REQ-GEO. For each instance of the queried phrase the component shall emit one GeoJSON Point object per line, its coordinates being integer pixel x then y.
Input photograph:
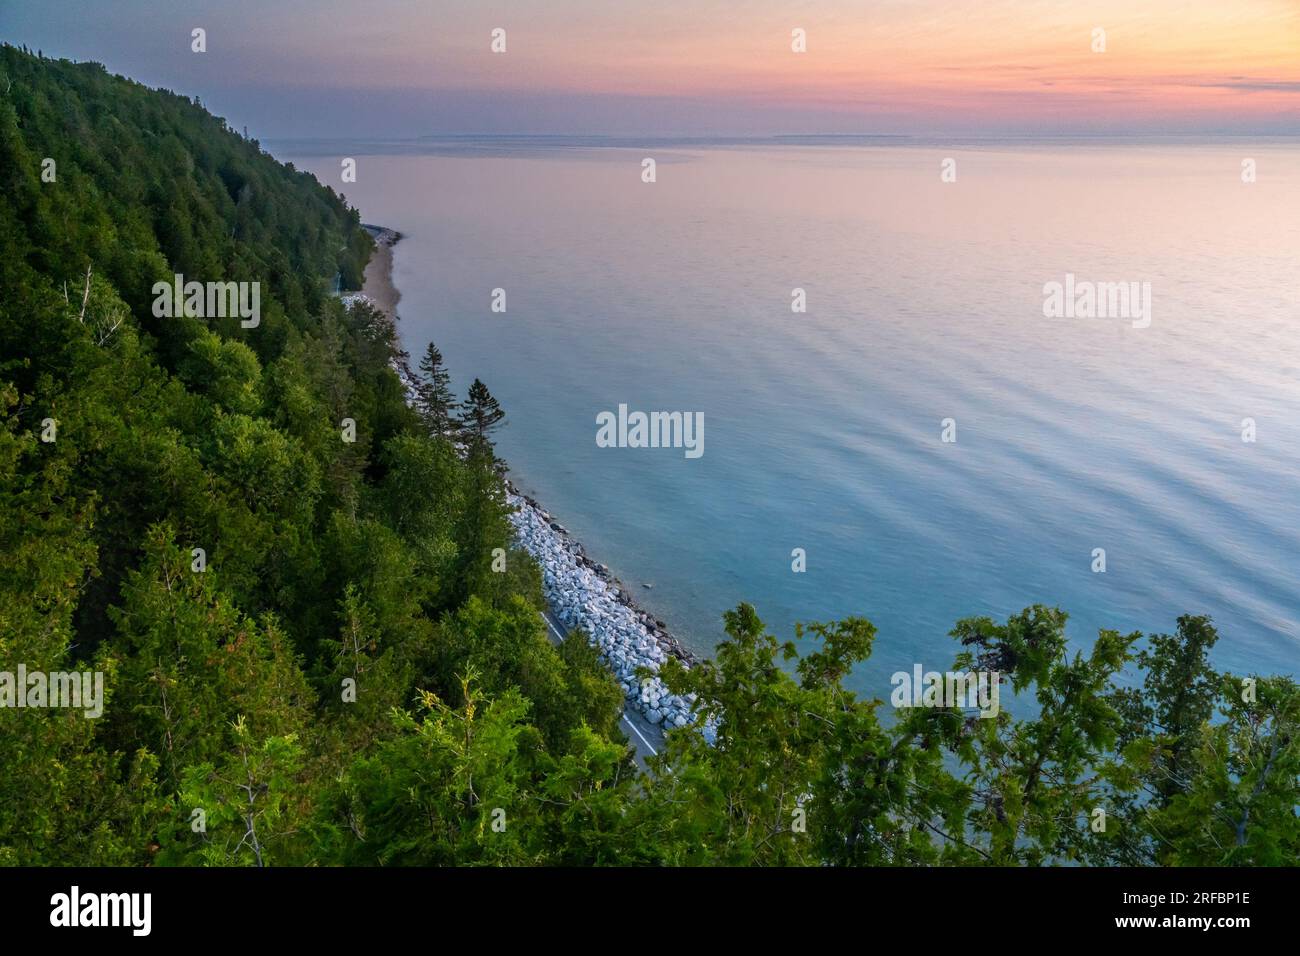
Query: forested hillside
{"type": "Point", "coordinates": [310, 656]}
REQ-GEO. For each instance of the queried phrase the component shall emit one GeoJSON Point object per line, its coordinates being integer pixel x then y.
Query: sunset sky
{"type": "Point", "coordinates": [404, 68]}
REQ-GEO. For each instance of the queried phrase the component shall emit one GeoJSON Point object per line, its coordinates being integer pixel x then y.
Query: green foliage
{"type": "Point", "coordinates": [431, 795]}
{"type": "Point", "coordinates": [1209, 763]}
{"type": "Point", "coordinates": [178, 433]}
{"type": "Point", "coordinates": [194, 663]}
{"type": "Point", "coordinates": [226, 371]}
{"type": "Point", "coordinates": [1030, 781]}
{"type": "Point", "coordinates": [508, 647]}
{"type": "Point", "coordinates": [243, 810]}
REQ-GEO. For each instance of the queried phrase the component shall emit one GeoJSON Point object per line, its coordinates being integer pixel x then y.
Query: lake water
{"type": "Point", "coordinates": [823, 429]}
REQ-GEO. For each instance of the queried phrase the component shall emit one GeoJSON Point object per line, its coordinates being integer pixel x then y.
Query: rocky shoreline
{"type": "Point", "coordinates": [581, 592]}
{"type": "Point", "coordinates": [585, 594]}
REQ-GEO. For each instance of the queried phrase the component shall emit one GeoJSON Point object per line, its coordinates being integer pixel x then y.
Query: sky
{"type": "Point", "coordinates": [395, 69]}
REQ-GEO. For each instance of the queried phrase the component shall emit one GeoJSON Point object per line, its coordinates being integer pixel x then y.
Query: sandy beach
{"type": "Point", "coordinates": [378, 281]}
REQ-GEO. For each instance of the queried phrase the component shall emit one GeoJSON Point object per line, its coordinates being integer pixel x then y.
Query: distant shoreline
{"type": "Point", "coordinates": [508, 144]}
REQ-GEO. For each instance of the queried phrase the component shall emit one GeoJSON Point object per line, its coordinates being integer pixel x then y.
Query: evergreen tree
{"type": "Point", "coordinates": [433, 395]}
{"type": "Point", "coordinates": [482, 414]}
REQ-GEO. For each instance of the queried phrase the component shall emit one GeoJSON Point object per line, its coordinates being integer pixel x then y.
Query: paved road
{"type": "Point", "coordinates": [645, 736]}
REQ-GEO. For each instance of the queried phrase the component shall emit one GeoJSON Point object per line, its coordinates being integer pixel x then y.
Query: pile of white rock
{"type": "Point", "coordinates": [584, 594]}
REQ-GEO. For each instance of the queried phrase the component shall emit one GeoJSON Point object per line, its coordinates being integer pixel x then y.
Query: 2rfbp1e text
{"type": "Point", "coordinates": [1196, 897]}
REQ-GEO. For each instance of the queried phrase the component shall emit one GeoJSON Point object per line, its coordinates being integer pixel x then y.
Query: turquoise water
{"type": "Point", "coordinates": [823, 429]}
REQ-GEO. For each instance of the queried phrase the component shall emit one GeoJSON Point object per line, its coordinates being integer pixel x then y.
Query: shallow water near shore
{"type": "Point", "coordinates": [823, 429]}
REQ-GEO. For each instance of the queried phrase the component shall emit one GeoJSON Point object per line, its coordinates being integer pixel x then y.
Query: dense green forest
{"type": "Point", "coordinates": [340, 677]}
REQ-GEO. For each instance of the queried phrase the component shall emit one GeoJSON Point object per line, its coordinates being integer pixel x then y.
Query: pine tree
{"type": "Point", "coordinates": [482, 414]}
{"type": "Point", "coordinates": [434, 398]}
